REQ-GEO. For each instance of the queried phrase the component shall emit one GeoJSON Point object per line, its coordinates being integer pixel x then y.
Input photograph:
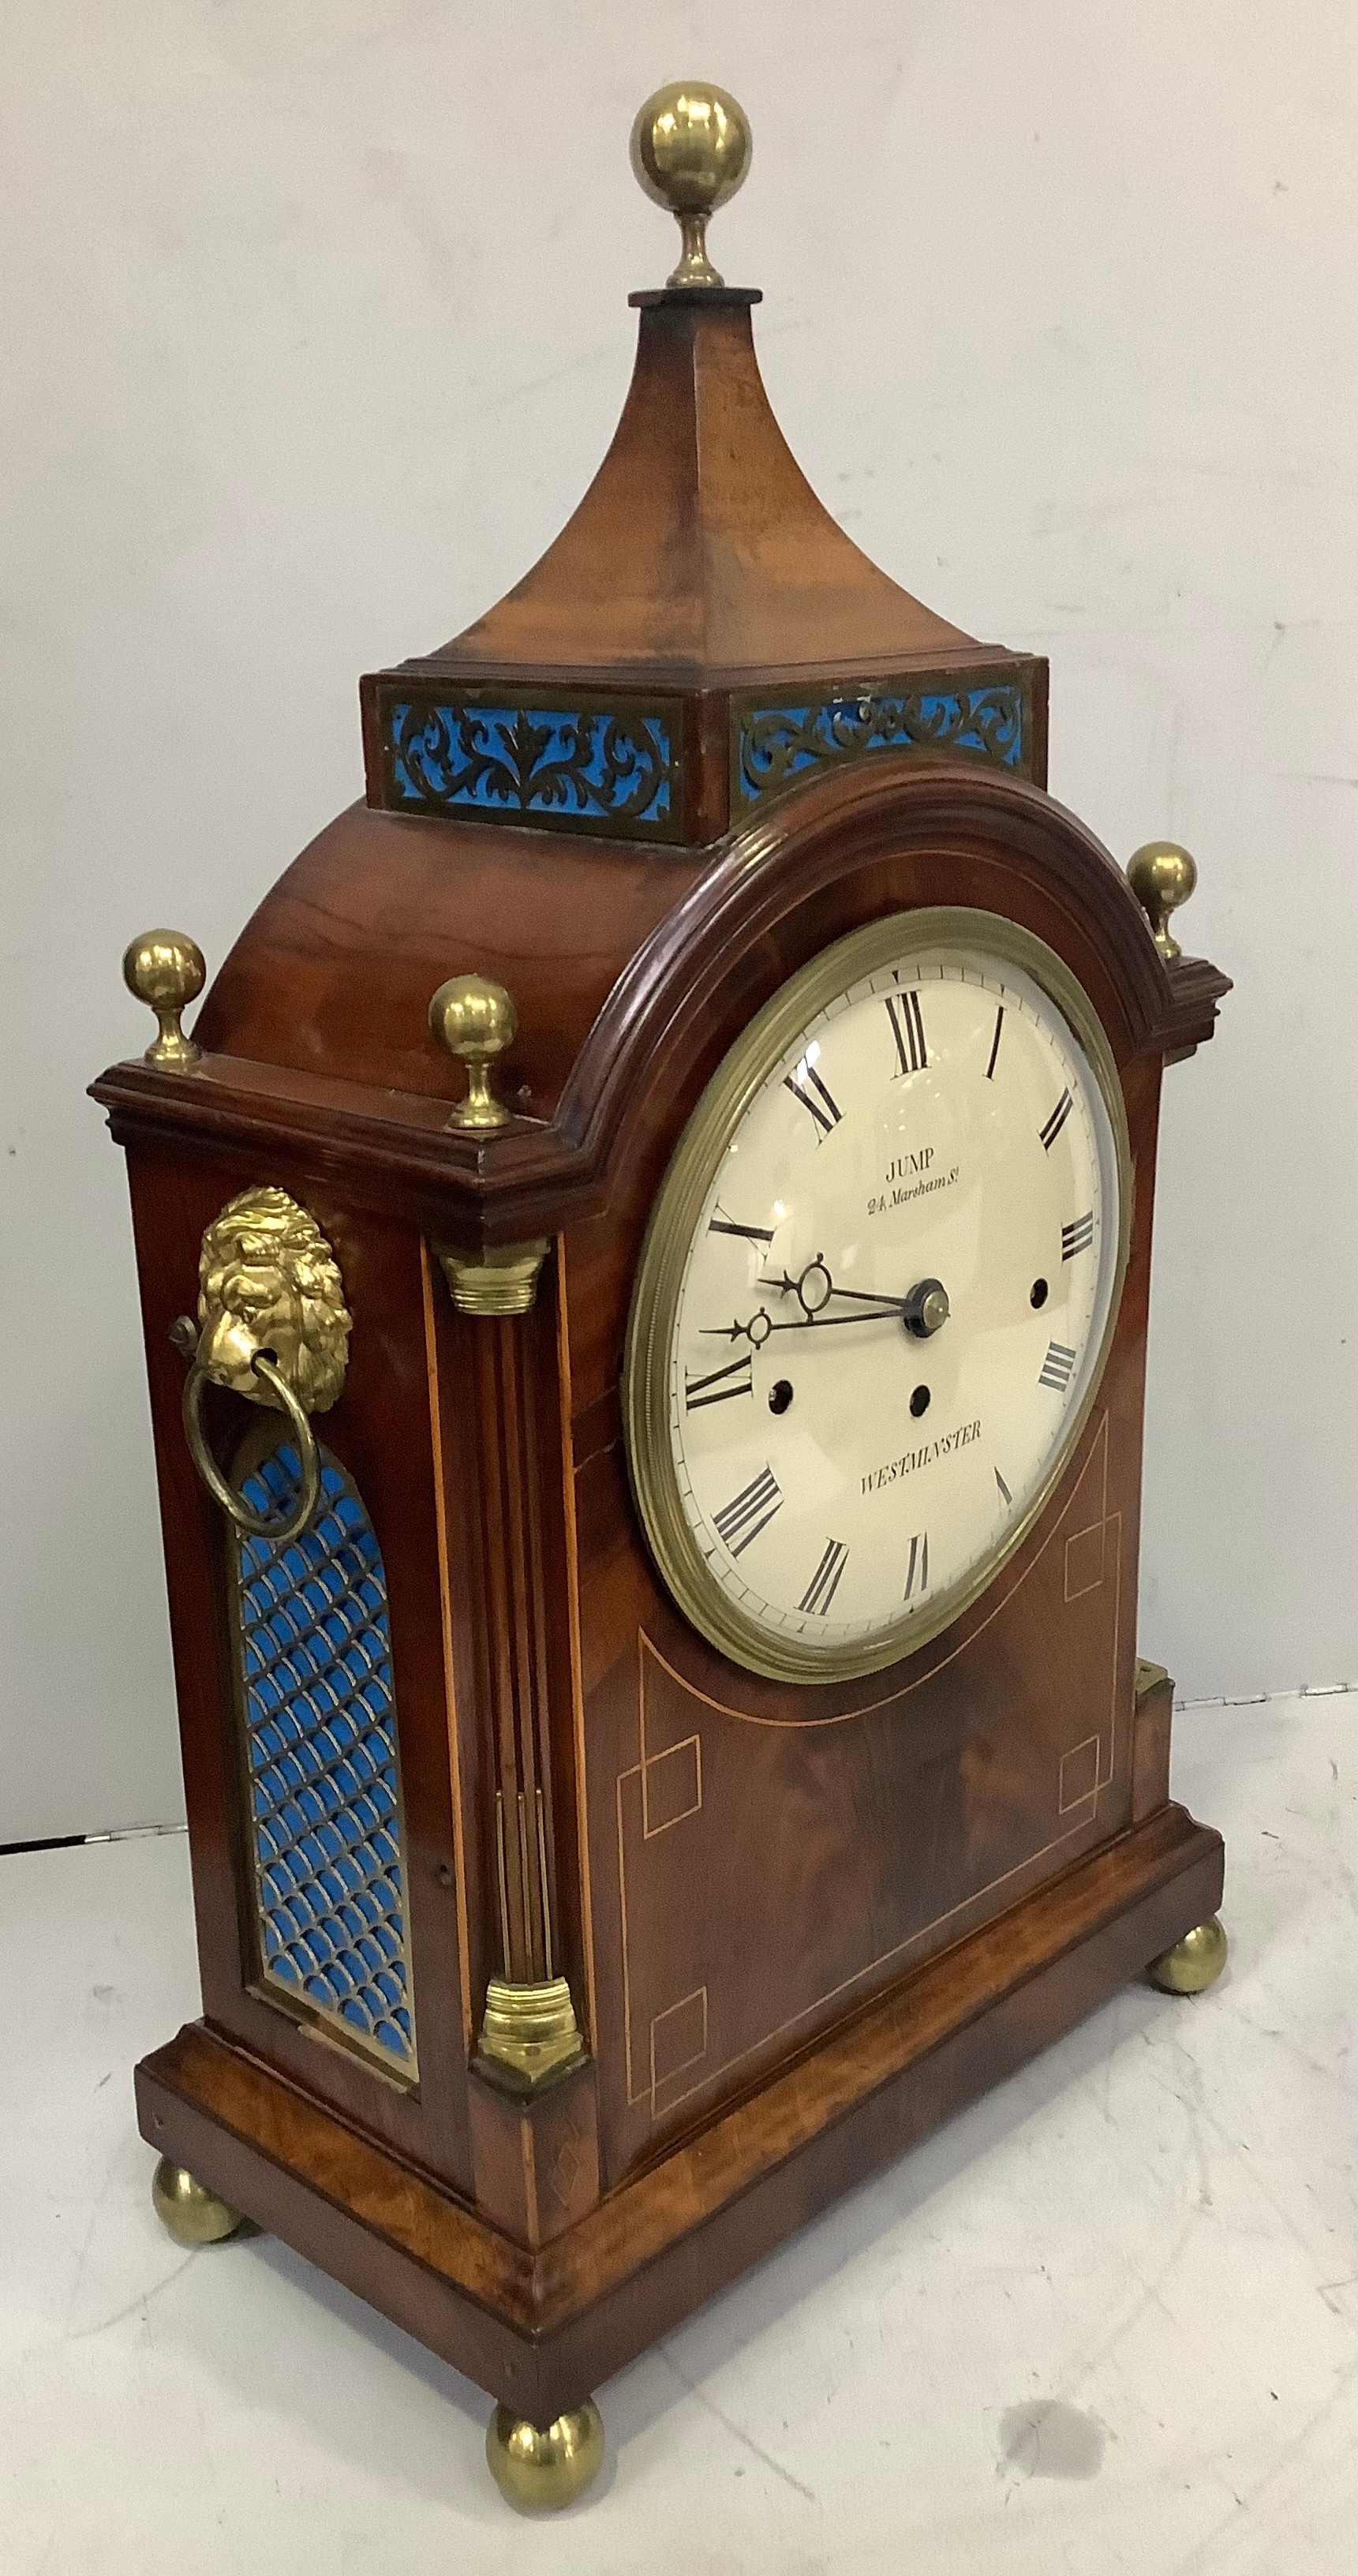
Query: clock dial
{"type": "Point", "coordinates": [877, 1293]}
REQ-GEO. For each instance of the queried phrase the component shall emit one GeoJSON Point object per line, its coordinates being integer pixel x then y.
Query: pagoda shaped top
{"type": "Point", "coordinates": [702, 634]}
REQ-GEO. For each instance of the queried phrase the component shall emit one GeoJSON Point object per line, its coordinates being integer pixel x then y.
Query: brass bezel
{"type": "Point", "coordinates": [678, 1206]}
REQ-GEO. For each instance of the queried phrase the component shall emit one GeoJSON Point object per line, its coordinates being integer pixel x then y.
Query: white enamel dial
{"type": "Point", "coordinates": [883, 1321]}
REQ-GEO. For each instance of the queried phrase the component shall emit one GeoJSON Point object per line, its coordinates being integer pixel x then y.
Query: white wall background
{"type": "Point", "coordinates": [315, 329]}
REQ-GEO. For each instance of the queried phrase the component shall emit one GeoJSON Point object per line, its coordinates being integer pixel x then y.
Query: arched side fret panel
{"type": "Point", "coordinates": [318, 1715]}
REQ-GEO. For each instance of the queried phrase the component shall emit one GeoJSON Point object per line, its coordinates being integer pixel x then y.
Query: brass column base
{"type": "Point", "coordinates": [1194, 1964]}
{"type": "Point", "coordinates": [541, 2470]}
{"type": "Point", "coordinates": [188, 2211]}
{"type": "Point", "coordinates": [528, 2033]}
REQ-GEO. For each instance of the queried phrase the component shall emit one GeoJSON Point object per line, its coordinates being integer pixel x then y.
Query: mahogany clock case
{"type": "Point", "coordinates": [798, 1924]}
{"type": "Point", "coordinates": [773, 1931]}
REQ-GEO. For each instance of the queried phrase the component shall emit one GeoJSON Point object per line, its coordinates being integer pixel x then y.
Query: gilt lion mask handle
{"type": "Point", "coordinates": [272, 1326]}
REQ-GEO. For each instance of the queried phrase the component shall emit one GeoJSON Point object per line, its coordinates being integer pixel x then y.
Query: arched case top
{"type": "Point", "coordinates": [620, 963]}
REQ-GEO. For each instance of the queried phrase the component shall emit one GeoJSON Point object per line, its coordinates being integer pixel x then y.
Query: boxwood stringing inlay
{"type": "Point", "coordinates": [320, 1730]}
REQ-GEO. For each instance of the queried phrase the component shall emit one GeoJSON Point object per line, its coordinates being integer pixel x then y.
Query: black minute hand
{"type": "Point", "coordinates": [861, 1297]}
{"type": "Point", "coordinates": [876, 1314]}
{"type": "Point", "coordinates": [923, 1312]}
{"type": "Point", "coordinates": [761, 1324]}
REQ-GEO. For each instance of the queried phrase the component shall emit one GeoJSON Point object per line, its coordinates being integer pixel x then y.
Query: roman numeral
{"type": "Point", "coordinates": [1056, 1122]}
{"type": "Point", "coordinates": [717, 1384]}
{"type": "Point", "coordinates": [721, 1223]}
{"type": "Point", "coordinates": [805, 1085]}
{"type": "Point", "coordinates": [1005, 1496]}
{"type": "Point", "coordinates": [1058, 1367]}
{"type": "Point", "coordinates": [740, 1521]}
{"type": "Point", "coordinates": [917, 1568]}
{"type": "Point", "coordinates": [1077, 1237]}
{"type": "Point", "coordinates": [907, 1028]}
{"type": "Point", "coordinates": [824, 1583]}
{"type": "Point", "coordinates": [995, 1044]}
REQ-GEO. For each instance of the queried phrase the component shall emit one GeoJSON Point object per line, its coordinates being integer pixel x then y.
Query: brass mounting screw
{"type": "Point", "coordinates": [1162, 876]}
{"type": "Point", "coordinates": [476, 1021]}
{"type": "Point", "coordinates": [691, 150]}
{"type": "Point", "coordinates": [165, 969]}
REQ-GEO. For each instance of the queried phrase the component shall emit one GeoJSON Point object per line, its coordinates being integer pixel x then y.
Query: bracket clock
{"type": "Point", "coordinates": [645, 1260]}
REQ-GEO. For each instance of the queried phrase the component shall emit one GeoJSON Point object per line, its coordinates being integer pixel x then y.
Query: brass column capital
{"type": "Point", "coordinates": [499, 1281]}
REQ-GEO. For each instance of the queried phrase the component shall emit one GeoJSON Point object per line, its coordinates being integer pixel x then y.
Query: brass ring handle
{"type": "Point", "coordinates": [255, 1524]}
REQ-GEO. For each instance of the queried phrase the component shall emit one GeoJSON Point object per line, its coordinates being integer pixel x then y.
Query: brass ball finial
{"type": "Point", "coordinates": [476, 1021]}
{"type": "Point", "coordinates": [1162, 876]}
{"type": "Point", "coordinates": [691, 150]}
{"type": "Point", "coordinates": [165, 969]}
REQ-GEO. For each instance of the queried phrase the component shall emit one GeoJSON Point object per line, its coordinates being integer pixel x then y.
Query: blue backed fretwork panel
{"type": "Point", "coordinates": [608, 766]}
{"type": "Point", "coordinates": [775, 747]}
{"type": "Point", "coordinates": [320, 1735]}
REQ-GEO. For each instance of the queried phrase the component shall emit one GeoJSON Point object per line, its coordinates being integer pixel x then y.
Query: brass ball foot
{"type": "Point", "coordinates": [1194, 1963]}
{"type": "Point", "coordinates": [190, 2213]}
{"type": "Point", "coordinates": [541, 2470]}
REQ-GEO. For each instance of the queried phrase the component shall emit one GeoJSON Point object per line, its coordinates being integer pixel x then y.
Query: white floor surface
{"type": "Point", "coordinates": [1103, 2321]}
